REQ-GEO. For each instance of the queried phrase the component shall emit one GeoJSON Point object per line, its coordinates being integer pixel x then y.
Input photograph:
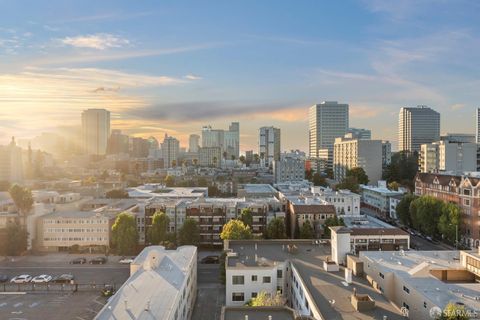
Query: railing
{"type": "Point", "coordinates": [53, 287]}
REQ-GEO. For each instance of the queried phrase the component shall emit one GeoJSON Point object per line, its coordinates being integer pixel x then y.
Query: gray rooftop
{"type": "Point", "coordinates": [258, 313]}
{"type": "Point", "coordinates": [365, 221]}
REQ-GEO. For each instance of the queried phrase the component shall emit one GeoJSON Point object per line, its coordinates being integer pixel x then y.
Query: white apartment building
{"type": "Point", "coordinates": [352, 153]}
{"type": "Point", "coordinates": [95, 131]}
{"type": "Point", "coordinates": [344, 201]}
{"type": "Point", "coordinates": [288, 168]}
{"type": "Point", "coordinates": [416, 126]}
{"type": "Point", "coordinates": [269, 145]}
{"type": "Point", "coordinates": [378, 197]}
{"type": "Point", "coordinates": [170, 151]}
{"type": "Point", "coordinates": [162, 286]}
{"type": "Point", "coordinates": [59, 231]}
{"type": "Point", "coordinates": [227, 141]}
{"type": "Point", "coordinates": [193, 143]}
{"type": "Point", "coordinates": [327, 121]}
{"type": "Point", "coordinates": [423, 283]}
{"type": "Point", "coordinates": [448, 156]}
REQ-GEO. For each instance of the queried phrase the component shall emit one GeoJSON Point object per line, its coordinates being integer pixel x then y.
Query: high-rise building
{"type": "Point", "coordinates": [327, 121]}
{"type": "Point", "coordinates": [209, 156]}
{"type": "Point", "coordinates": [212, 137]}
{"type": "Point", "coordinates": [11, 165]}
{"type": "Point", "coordinates": [358, 133]}
{"type": "Point", "coordinates": [95, 131]}
{"type": "Point", "coordinates": [478, 125]}
{"type": "Point", "coordinates": [139, 147]}
{"type": "Point", "coordinates": [232, 140]}
{"type": "Point", "coordinates": [193, 143]}
{"type": "Point", "coordinates": [416, 126]}
{"type": "Point", "coordinates": [170, 151]}
{"type": "Point", "coordinates": [118, 142]}
{"type": "Point", "coordinates": [269, 145]}
{"type": "Point", "coordinates": [353, 153]}
{"type": "Point", "coordinates": [451, 156]}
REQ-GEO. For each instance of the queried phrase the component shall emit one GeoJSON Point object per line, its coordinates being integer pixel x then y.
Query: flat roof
{"type": "Point", "coordinates": [413, 268]}
{"type": "Point", "coordinates": [382, 190]}
{"type": "Point", "coordinates": [365, 222]}
{"type": "Point", "coordinates": [258, 313]}
{"type": "Point", "coordinates": [258, 188]}
{"type": "Point", "coordinates": [328, 290]}
{"type": "Point", "coordinates": [160, 191]}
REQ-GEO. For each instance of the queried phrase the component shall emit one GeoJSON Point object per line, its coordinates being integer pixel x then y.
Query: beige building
{"type": "Point", "coordinates": [351, 153]}
{"type": "Point", "coordinates": [448, 156]}
{"type": "Point", "coordinates": [209, 156]}
{"type": "Point", "coordinates": [60, 230]}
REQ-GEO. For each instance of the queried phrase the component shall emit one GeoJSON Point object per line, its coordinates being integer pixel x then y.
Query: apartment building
{"type": "Point", "coordinates": [356, 153]}
{"type": "Point", "coordinates": [209, 156]}
{"type": "Point", "coordinates": [462, 190]}
{"type": "Point", "coordinates": [416, 126]}
{"type": "Point", "coordinates": [423, 283]}
{"type": "Point", "coordinates": [162, 285]}
{"type": "Point", "coordinates": [288, 168]}
{"type": "Point", "coordinates": [377, 198]}
{"type": "Point", "coordinates": [95, 131]}
{"type": "Point", "coordinates": [344, 201]}
{"type": "Point", "coordinates": [448, 156]}
{"type": "Point", "coordinates": [269, 145]}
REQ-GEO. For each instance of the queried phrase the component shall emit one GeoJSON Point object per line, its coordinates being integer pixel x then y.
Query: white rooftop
{"type": "Point", "coordinates": [160, 191]}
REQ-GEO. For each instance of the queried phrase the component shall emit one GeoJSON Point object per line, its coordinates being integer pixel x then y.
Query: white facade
{"type": "Point", "coordinates": [95, 131]}
{"type": "Point", "coordinates": [288, 169]}
{"type": "Point", "coordinates": [478, 126]}
{"type": "Point", "coordinates": [340, 244]}
{"type": "Point", "coordinates": [417, 126]}
{"type": "Point", "coordinates": [170, 151]}
{"type": "Point", "coordinates": [448, 156]}
{"type": "Point", "coordinates": [269, 144]}
{"type": "Point", "coordinates": [344, 201]}
{"type": "Point", "coordinates": [352, 153]}
{"type": "Point", "coordinates": [227, 141]}
{"type": "Point", "coordinates": [378, 197]}
{"type": "Point", "coordinates": [193, 143]}
{"type": "Point", "coordinates": [327, 121]}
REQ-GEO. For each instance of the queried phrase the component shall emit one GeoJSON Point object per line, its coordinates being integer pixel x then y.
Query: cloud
{"type": "Point", "coordinates": [99, 41]}
{"type": "Point", "coordinates": [192, 77]}
{"type": "Point", "coordinates": [457, 106]}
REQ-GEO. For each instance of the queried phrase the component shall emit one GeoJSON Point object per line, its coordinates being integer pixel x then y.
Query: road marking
{"type": "Point", "coordinates": [18, 304]}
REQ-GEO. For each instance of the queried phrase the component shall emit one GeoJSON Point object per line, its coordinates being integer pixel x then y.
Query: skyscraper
{"type": "Point", "coordinates": [11, 164]}
{"type": "Point", "coordinates": [193, 143]}
{"type": "Point", "coordinates": [478, 125]}
{"type": "Point", "coordinates": [269, 144]}
{"type": "Point", "coordinates": [416, 126]}
{"type": "Point", "coordinates": [95, 131]}
{"type": "Point", "coordinates": [327, 121]}
{"type": "Point", "coordinates": [232, 140]}
{"type": "Point", "coordinates": [170, 150]}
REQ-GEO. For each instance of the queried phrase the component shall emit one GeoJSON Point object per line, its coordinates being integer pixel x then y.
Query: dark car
{"type": "Point", "coordinates": [78, 261]}
{"type": "Point", "coordinates": [108, 290]}
{"type": "Point", "coordinates": [98, 260]}
{"type": "Point", "coordinates": [210, 260]}
{"type": "Point", "coordinates": [64, 278]}
{"type": "Point", "coordinates": [3, 278]}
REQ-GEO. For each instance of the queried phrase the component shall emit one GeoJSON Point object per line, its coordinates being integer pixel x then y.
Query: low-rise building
{"type": "Point", "coordinates": [289, 168]}
{"type": "Point", "coordinates": [377, 198]}
{"type": "Point", "coordinates": [314, 210]}
{"type": "Point", "coordinates": [256, 191]}
{"type": "Point", "coordinates": [162, 286]}
{"type": "Point", "coordinates": [344, 201]}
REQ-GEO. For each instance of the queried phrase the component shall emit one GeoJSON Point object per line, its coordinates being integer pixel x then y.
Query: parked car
{"type": "Point", "coordinates": [3, 278]}
{"type": "Point", "coordinates": [78, 261]}
{"type": "Point", "coordinates": [210, 260]}
{"type": "Point", "coordinates": [64, 278]}
{"type": "Point", "coordinates": [108, 290]}
{"type": "Point", "coordinates": [125, 260]}
{"type": "Point", "coordinates": [429, 238]}
{"type": "Point", "coordinates": [43, 278]}
{"type": "Point", "coordinates": [24, 278]}
{"type": "Point", "coordinates": [98, 260]}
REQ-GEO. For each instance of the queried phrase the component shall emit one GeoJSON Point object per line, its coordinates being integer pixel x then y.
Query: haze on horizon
{"type": "Point", "coordinates": [174, 67]}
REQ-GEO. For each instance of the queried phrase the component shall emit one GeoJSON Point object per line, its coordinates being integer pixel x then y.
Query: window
{"type": "Point", "coordinates": [254, 278]}
{"type": "Point", "coordinates": [238, 296]}
{"type": "Point", "coordinates": [381, 275]}
{"type": "Point", "coordinates": [406, 289]}
{"type": "Point", "coordinates": [279, 274]}
{"type": "Point", "coordinates": [425, 305]}
{"type": "Point", "coordinates": [238, 280]}
{"type": "Point", "coordinates": [267, 279]}
{"type": "Point", "coordinates": [254, 294]}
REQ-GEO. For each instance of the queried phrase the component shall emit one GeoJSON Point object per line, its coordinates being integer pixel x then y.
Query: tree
{"type": "Point", "coordinates": [276, 229]}
{"type": "Point", "coordinates": [116, 194]}
{"type": "Point", "coordinates": [174, 163]}
{"type": "Point", "coordinates": [4, 185]}
{"type": "Point", "coordinates": [306, 231]}
{"type": "Point", "coordinates": [242, 159]}
{"type": "Point", "coordinates": [393, 185]}
{"type": "Point", "coordinates": [358, 174]}
{"type": "Point", "coordinates": [246, 217]}
{"type": "Point", "coordinates": [349, 183]}
{"type": "Point", "coordinates": [402, 168]}
{"type": "Point", "coordinates": [403, 209]}
{"type": "Point", "coordinates": [214, 161]}
{"type": "Point", "coordinates": [17, 237]}
{"type": "Point", "coordinates": [189, 233]}
{"type": "Point", "coordinates": [169, 181]}
{"type": "Point", "coordinates": [23, 199]}
{"type": "Point", "coordinates": [232, 157]}
{"type": "Point", "coordinates": [125, 234]}
{"type": "Point", "coordinates": [159, 229]}
{"type": "Point", "coordinates": [264, 299]}
{"type": "Point", "coordinates": [235, 230]}
{"type": "Point", "coordinates": [319, 180]}
{"type": "Point", "coordinates": [424, 214]}
{"type": "Point", "coordinates": [331, 222]}
{"type": "Point", "coordinates": [449, 221]}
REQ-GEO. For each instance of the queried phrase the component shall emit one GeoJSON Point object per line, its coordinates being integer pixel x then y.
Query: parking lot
{"type": "Point", "coordinates": [81, 305]}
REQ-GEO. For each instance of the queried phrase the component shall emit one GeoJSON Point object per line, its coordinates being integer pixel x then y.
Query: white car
{"type": "Point", "coordinates": [125, 260]}
{"type": "Point", "coordinates": [43, 278]}
{"type": "Point", "coordinates": [24, 278]}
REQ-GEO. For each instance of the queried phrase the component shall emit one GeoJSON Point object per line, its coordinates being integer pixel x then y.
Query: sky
{"type": "Point", "coordinates": [174, 66]}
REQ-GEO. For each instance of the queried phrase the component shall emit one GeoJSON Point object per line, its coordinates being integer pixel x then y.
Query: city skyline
{"type": "Point", "coordinates": [266, 72]}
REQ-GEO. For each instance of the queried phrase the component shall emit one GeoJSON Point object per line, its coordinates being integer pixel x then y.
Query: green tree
{"type": "Point", "coordinates": [264, 299]}
{"type": "Point", "coordinates": [349, 183]}
{"type": "Point", "coordinates": [403, 209]}
{"type": "Point", "coordinates": [394, 185]}
{"type": "Point", "coordinates": [169, 181]}
{"type": "Point", "coordinates": [306, 231]}
{"type": "Point", "coordinates": [235, 230]}
{"type": "Point", "coordinates": [402, 168]}
{"type": "Point", "coordinates": [17, 237]}
{"type": "Point", "coordinates": [125, 234]}
{"type": "Point", "coordinates": [358, 174]}
{"type": "Point", "coordinates": [189, 233]}
{"type": "Point", "coordinates": [242, 159]}
{"type": "Point", "coordinates": [116, 194]}
{"type": "Point", "coordinates": [332, 222]}
{"type": "Point", "coordinates": [158, 232]}
{"type": "Point", "coordinates": [449, 221]}
{"type": "Point", "coordinates": [23, 199]}
{"type": "Point", "coordinates": [319, 180]}
{"type": "Point", "coordinates": [425, 213]}
{"type": "Point", "coordinates": [246, 217]}
{"type": "Point", "coordinates": [276, 229]}
{"type": "Point", "coordinates": [202, 182]}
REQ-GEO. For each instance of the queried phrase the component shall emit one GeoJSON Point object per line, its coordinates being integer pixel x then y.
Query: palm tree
{"type": "Point", "coordinates": [215, 161]}
{"type": "Point", "coordinates": [174, 163]}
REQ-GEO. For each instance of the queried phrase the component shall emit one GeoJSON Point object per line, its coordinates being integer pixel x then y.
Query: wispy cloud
{"type": "Point", "coordinates": [104, 16]}
{"type": "Point", "coordinates": [100, 41]}
{"type": "Point", "coordinates": [192, 77]}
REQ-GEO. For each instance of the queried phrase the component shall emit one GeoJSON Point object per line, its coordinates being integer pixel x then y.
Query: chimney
{"type": "Point", "coordinates": [246, 317]}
